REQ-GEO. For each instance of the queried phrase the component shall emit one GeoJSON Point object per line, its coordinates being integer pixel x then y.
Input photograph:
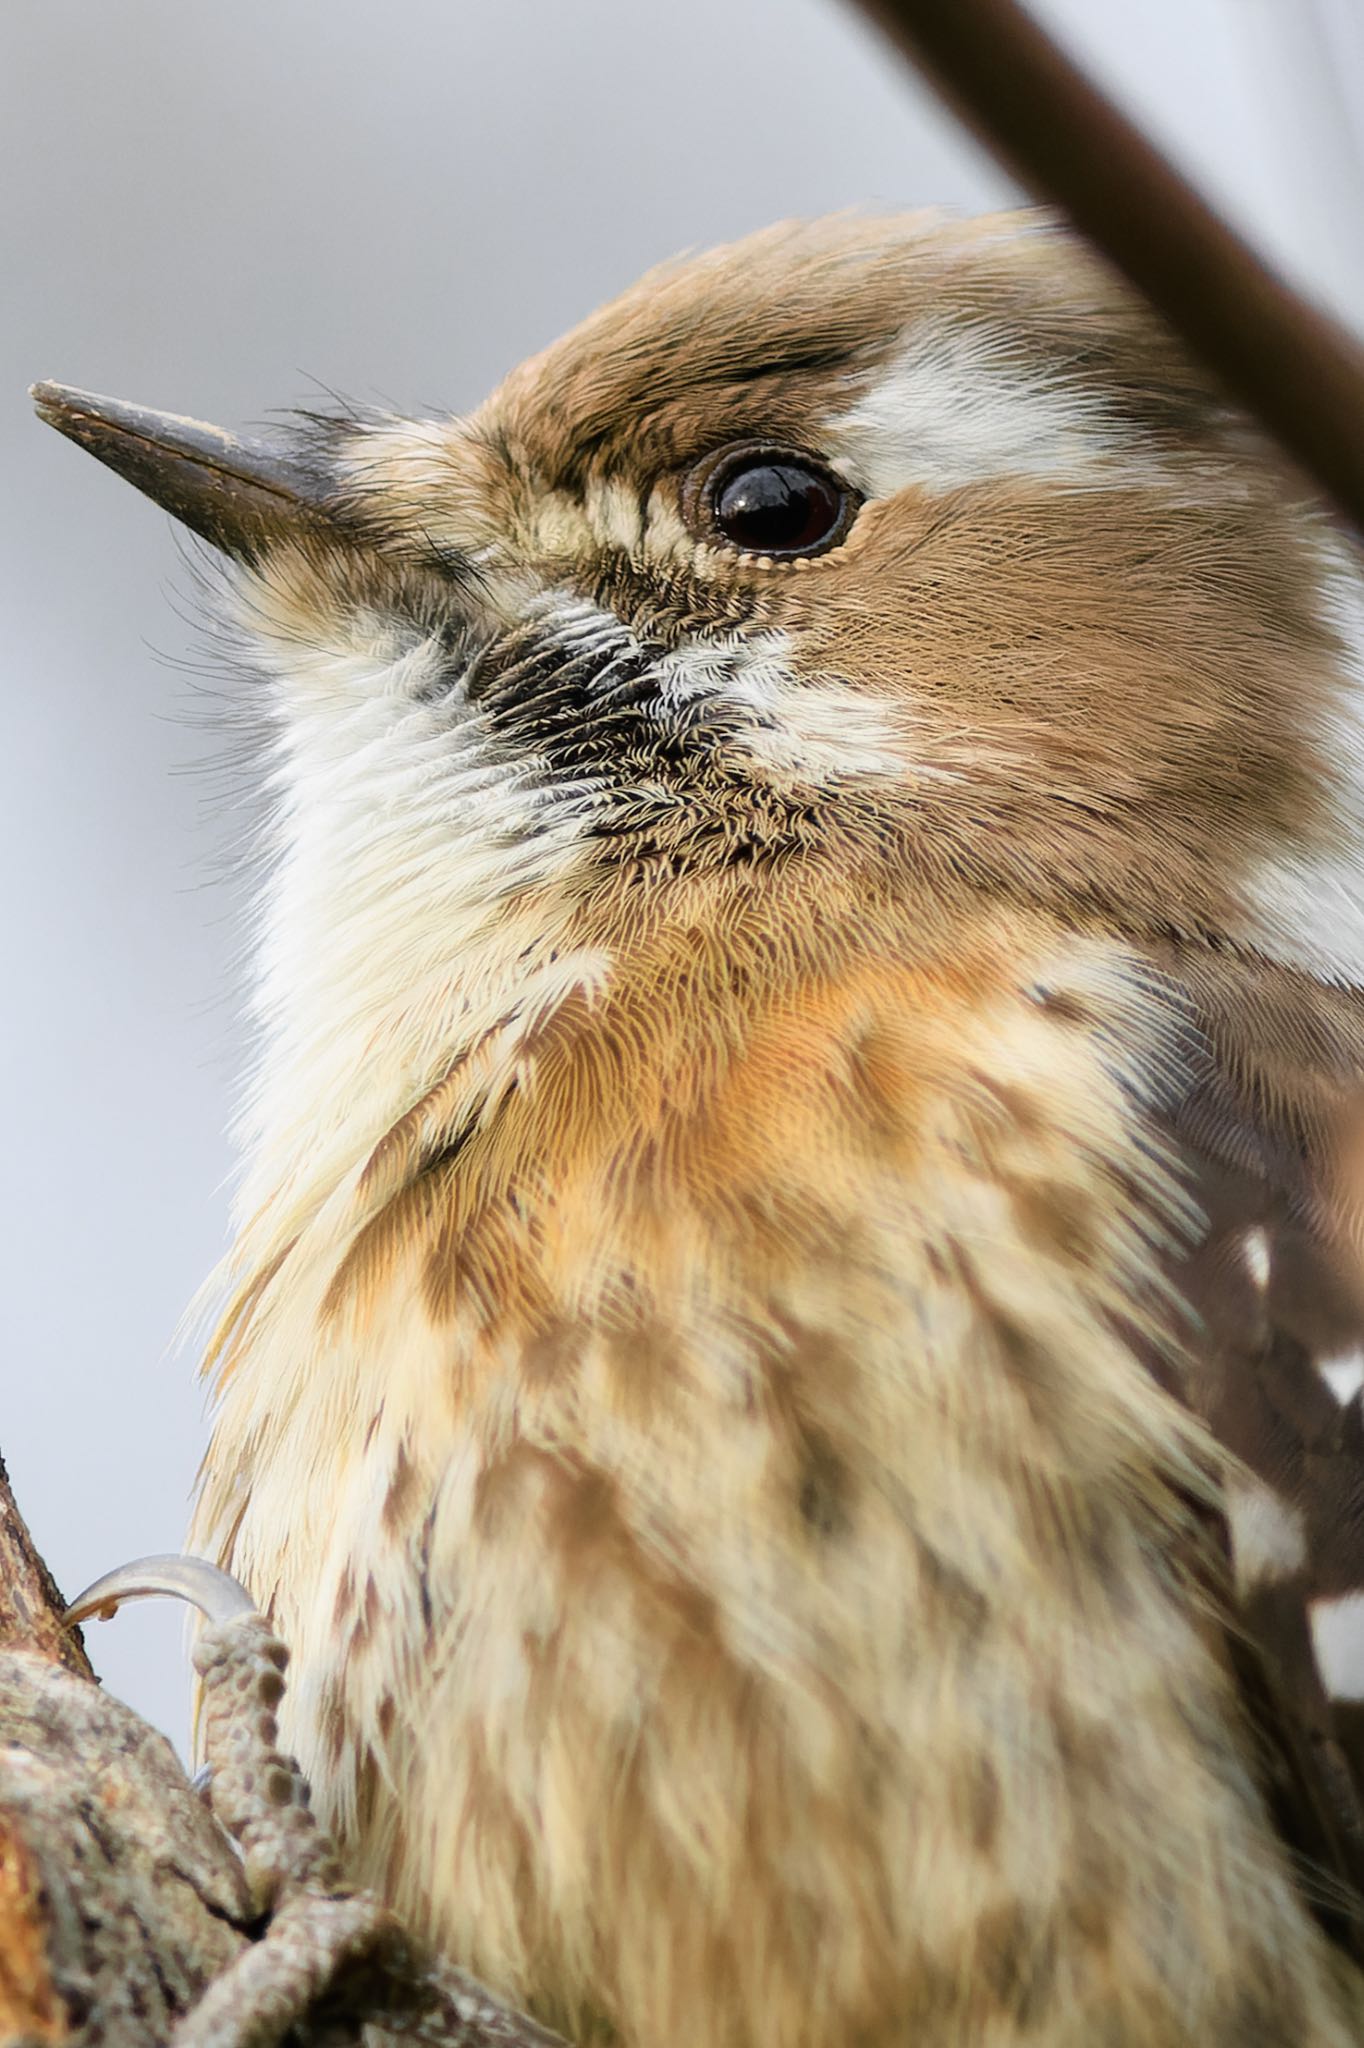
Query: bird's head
{"type": "Point", "coordinates": [911, 553]}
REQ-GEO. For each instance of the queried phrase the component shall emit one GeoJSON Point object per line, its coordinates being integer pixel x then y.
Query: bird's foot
{"type": "Point", "coordinates": [330, 1959]}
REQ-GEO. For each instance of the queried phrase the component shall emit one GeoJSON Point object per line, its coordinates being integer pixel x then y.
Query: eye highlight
{"type": "Point", "coordinates": [770, 501]}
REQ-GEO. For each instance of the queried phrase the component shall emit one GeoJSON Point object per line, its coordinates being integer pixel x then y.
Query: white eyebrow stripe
{"type": "Point", "coordinates": [960, 406]}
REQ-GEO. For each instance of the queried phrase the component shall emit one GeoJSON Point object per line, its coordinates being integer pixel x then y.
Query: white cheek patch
{"type": "Point", "coordinates": [815, 730]}
{"type": "Point", "coordinates": [1304, 906]}
{"type": "Point", "coordinates": [960, 406]}
{"type": "Point", "coordinates": [1308, 913]}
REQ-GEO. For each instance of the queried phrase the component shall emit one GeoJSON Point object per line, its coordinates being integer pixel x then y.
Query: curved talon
{"type": "Point", "coordinates": [213, 1591]}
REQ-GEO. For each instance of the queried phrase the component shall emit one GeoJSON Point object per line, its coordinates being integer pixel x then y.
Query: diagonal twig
{"type": "Point", "coordinates": [1297, 369]}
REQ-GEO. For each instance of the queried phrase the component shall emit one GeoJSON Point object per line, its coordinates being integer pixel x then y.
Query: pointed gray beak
{"type": "Point", "coordinates": [241, 495]}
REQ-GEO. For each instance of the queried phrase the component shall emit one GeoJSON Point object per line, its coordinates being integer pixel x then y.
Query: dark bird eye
{"type": "Point", "coordinates": [768, 503]}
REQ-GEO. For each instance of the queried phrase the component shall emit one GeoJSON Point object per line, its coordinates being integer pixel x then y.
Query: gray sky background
{"type": "Point", "coordinates": [205, 207]}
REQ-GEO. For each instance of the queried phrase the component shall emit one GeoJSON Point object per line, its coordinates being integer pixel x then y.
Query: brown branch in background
{"type": "Point", "coordinates": [1298, 370]}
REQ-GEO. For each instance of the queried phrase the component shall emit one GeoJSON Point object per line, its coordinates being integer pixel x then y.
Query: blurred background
{"type": "Point", "coordinates": [215, 209]}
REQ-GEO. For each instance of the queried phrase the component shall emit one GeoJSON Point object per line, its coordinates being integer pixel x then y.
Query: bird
{"type": "Point", "coordinates": [790, 1367]}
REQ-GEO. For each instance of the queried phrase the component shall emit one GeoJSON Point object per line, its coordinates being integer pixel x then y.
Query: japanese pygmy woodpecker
{"type": "Point", "coordinates": [791, 1364]}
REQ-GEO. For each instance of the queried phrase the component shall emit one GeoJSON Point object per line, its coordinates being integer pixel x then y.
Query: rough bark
{"type": "Point", "coordinates": [136, 1913]}
{"type": "Point", "coordinates": [30, 1605]}
{"type": "Point", "coordinates": [121, 1898]}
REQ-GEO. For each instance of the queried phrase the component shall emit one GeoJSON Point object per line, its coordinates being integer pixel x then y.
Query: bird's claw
{"type": "Point", "coordinates": [217, 1595]}
{"type": "Point", "coordinates": [321, 1937]}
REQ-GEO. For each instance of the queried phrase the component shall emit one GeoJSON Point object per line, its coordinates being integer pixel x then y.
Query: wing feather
{"type": "Point", "coordinates": [1268, 1133]}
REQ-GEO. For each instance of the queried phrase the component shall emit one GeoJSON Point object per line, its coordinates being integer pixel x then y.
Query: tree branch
{"type": "Point", "coordinates": [127, 1916]}
{"type": "Point", "coordinates": [120, 1897]}
{"type": "Point", "coordinates": [30, 1605]}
